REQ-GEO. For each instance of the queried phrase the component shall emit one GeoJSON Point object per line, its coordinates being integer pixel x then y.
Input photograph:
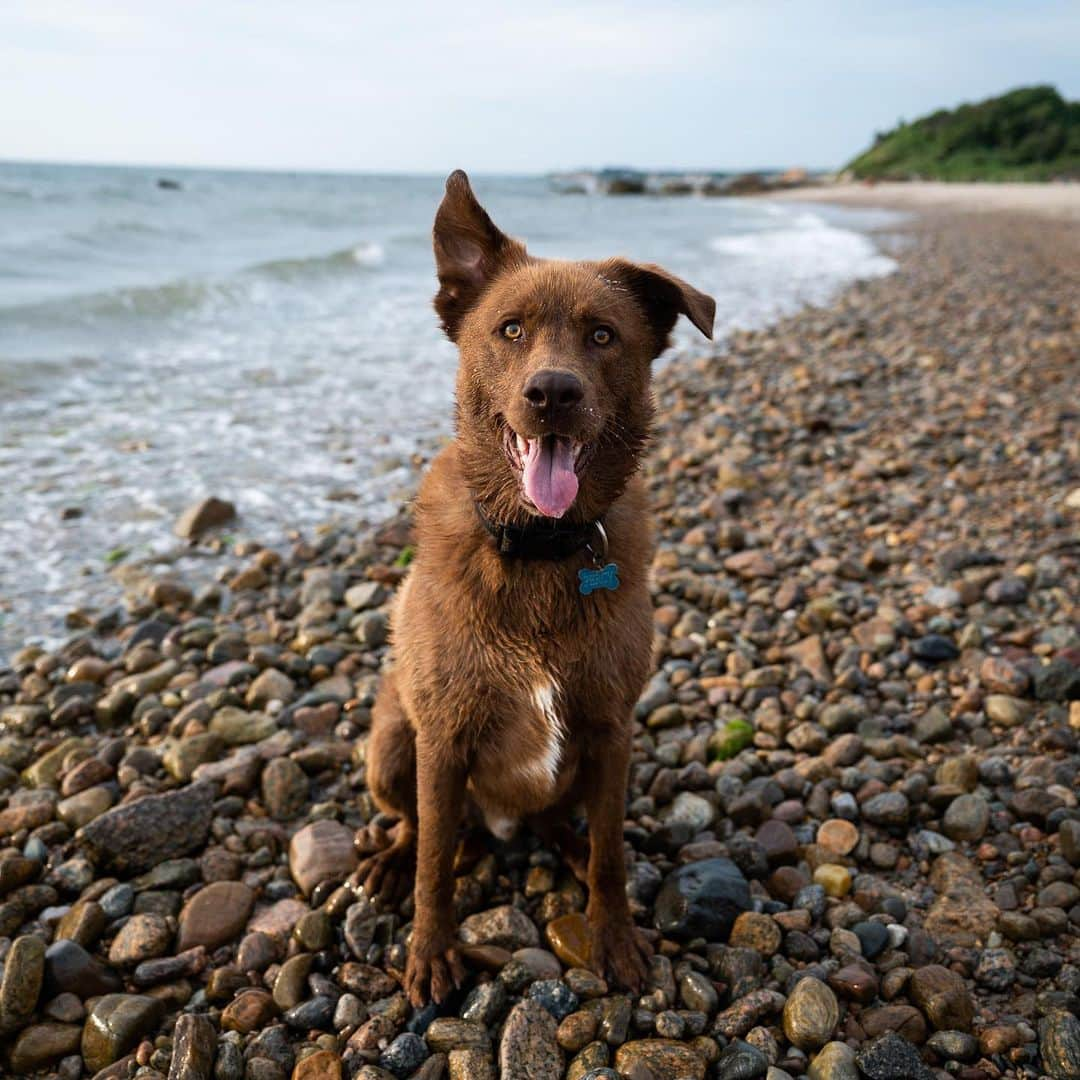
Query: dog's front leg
{"type": "Point", "coordinates": [434, 966]}
{"type": "Point", "coordinates": [619, 952]}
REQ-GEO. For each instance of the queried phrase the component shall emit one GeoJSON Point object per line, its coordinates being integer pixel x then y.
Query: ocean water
{"type": "Point", "coordinates": [269, 338]}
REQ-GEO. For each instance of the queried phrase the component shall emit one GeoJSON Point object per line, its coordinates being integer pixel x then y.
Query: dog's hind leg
{"type": "Point", "coordinates": [391, 779]}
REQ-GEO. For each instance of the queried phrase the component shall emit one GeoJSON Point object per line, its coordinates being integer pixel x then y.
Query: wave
{"type": "Point", "coordinates": [368, 255]}
{"type": "Point", "coordinates": [808, 241]}
{"type": "Point", "coordinates": [190, 295]}
{"type": "Point", "coordinates": [105, 234]}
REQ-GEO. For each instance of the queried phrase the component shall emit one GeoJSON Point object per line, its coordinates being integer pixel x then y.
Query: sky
{"type": "Point", "coordinates": [499, 86]}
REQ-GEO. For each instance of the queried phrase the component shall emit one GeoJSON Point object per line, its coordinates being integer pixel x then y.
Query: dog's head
{"type": "Point", "coordinates": [553, 400]}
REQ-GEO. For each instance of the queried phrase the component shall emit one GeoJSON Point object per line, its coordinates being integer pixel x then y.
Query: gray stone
{"type": "Point", "coordinates": [504, 926]}
{"type": "Point", "coordinates": [892, 1057]}
{"type": "Point", "coordinates": [528, 1049]}
{"type": "Point", "coordinates": [967, 818]}
{"type": "Point", "coordinates": [136, 836]}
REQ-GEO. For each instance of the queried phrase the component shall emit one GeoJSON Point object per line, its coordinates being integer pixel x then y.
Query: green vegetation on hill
{"type": "Point", "coordinates": [1031, 133]}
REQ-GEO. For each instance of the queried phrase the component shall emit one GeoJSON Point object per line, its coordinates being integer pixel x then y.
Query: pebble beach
{"type": "Point", "coordinates": [853, 824]}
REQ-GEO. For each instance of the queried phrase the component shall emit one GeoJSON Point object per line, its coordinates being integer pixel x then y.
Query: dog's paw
{"type": "Point", "coordinates": [388, 874]}
{"type": "Point", "coordinates": [620, 953]}
{"type": "Point", "coordinates": [434, 969]}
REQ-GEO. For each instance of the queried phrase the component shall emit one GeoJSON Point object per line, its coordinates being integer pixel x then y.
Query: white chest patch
{"type": "Point", "coordinates": [545, 767]}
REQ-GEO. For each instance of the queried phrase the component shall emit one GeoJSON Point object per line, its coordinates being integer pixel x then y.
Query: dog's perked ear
{"type": "Point", "coordinates": [469, 251]}
{"type": "Point", "coordinates": [664, 297]}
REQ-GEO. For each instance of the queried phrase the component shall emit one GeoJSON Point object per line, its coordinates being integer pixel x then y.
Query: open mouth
{"type": "Point", "coordinates": [549, 466]}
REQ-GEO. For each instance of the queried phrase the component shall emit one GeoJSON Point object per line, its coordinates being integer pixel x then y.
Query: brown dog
{"type": "Point", "coordinates": [518, 657]}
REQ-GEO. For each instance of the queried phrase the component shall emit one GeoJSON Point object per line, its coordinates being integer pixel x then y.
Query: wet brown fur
{"type": "Point", "coordinates": [477, 636]}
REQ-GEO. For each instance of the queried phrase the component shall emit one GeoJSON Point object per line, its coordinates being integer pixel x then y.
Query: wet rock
{"type": "Point", "coordinates": [203, 515]}
{"type": "Point", "coordinates": [20, 982]}
{"type": "Point", "coordinates": [404, 1055]}
{"type": "Point", "coordinates": [736, 1020]}
{"type": "Point", "coordinates": [942, 995]}
{"type": "Point", "coordinates": [891, 1057]}
{"type": "Point", "coordinates": [555, 996]}
{"type": "Point", "coordinates": [838, 836]}
{"type": "Point", "coordinates": [905, 1020]}
{"type": "Point", "coordinates": [934, 648]}
{"type": "Point", "coordinates": [215, 915]}
{"type": "Point", "coordinates": [528, 1047]}
{"type": "Point", "coordinates": [503, 926]}
{"type": "Point", "coordinates": [136, 836]}
{"type": "Point", "coordinates": [142, 937]}
{"type": "Point", "coordinates": [834, 1061]}
{"type": "Point", "coordinates": [70, 968]}
{"type": "Point", "coordinates": [194, 1048]}
{"type": "Point", "coordinates": [810, 1014]}
{"type": "Point", "coordinates": [1059, 1044]}
{"type": "Point", "coordinates": [115, 1024]}
{"type": "Point", "coordinates": [448, 1033]}
{"type": "Point", "coordinates": [1006, 711]}
{"type": "Point", "coordinates": [284, 789]}
{"type": "Point", "coordinates": [954, 1045]}
{"type": "Point", "coordinates": [248, 1012]}
{"type": "Point", "coordinates": [1069, 839]}
{"type": "Point", "coordinates": [43, 1044]}
{"type": "Point", "coordinates": [967, 818]}
{"type": "Point", "coordinates": [321, 852]}
{"type": "Point", "coordinates": [702, 900]}
{"type": "Point", "coordinates": [315, 1013]}
{"type": "Point", "coordinates": [270, 685]}
{"type": "Point", "coordinates": [1057, 681]}
{"type": "Point", "coordinates": [470, 1063]}
{"type": "Point", "coordinates": [996, 970]}
{"type": "Point", "coordinates": [962, 914]}
{"type": "Point", "coordinates": [854, 982]}
{"type": "Point", "coordinates": [576, 1031]}
{"type": "Point", "coordinates": [889, 809]}
{"type": "Point", "coordinates": [238, 727]}
{"type": "Point", "coordinates": [568, 936]}
{"type": "Point", "coordinates": [741, 1061]}
{"type": "Point", "coordinates": [758, 932]}
{"type": "Point", "coordinates": [664, 1059]}
{"type": "Point", "coordinates": [290, 986]}
{"type": "Point", "coordinates": [183, 756]}
{"type": "Point", "coordinates": [322, 1065]}
{"type": "Point", "coordinates": [77, 810]}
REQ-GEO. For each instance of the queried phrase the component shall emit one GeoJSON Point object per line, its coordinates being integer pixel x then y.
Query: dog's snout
{"type": "Point", "coordinates": [551, 390]}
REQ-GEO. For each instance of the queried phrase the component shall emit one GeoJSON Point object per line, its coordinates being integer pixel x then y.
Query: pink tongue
{"type": "Point", "coordinates": [549, 477]}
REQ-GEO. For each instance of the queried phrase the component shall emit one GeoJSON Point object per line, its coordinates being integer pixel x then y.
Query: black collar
{"type": "Point", "coordinates": [541, 538]}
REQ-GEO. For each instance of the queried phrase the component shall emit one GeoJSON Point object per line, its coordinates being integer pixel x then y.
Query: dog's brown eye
{"type": "Point", "coordinates": [603, 335]}
{"type": "Point", "coordinates": [513, 330]}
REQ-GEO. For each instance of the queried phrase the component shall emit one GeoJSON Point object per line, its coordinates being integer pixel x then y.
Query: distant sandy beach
{"type": "Point", "coordinates": [1047, 200]}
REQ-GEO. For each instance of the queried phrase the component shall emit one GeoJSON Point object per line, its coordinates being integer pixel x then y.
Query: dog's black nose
{"type": "Point", "coordinates": [552, 390]}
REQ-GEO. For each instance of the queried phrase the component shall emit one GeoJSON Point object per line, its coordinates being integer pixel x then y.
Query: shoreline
{"type": "Point", "coordinates": [867, 672]}
{"type": "Point", "coordinates": [1060, 201]}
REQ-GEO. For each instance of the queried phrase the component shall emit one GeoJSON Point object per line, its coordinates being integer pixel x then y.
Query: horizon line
{"type": "Point", "coordinates": [374, 172]}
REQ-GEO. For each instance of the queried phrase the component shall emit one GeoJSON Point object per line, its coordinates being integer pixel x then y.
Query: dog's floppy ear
{"type": "Point", "coordinates": [469, 251]}
{"type": "Point", "coordinates": [664, 297]}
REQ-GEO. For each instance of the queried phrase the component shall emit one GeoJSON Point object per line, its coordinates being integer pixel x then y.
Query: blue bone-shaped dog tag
{"type": "Point", "coordinates": [591, 580]}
